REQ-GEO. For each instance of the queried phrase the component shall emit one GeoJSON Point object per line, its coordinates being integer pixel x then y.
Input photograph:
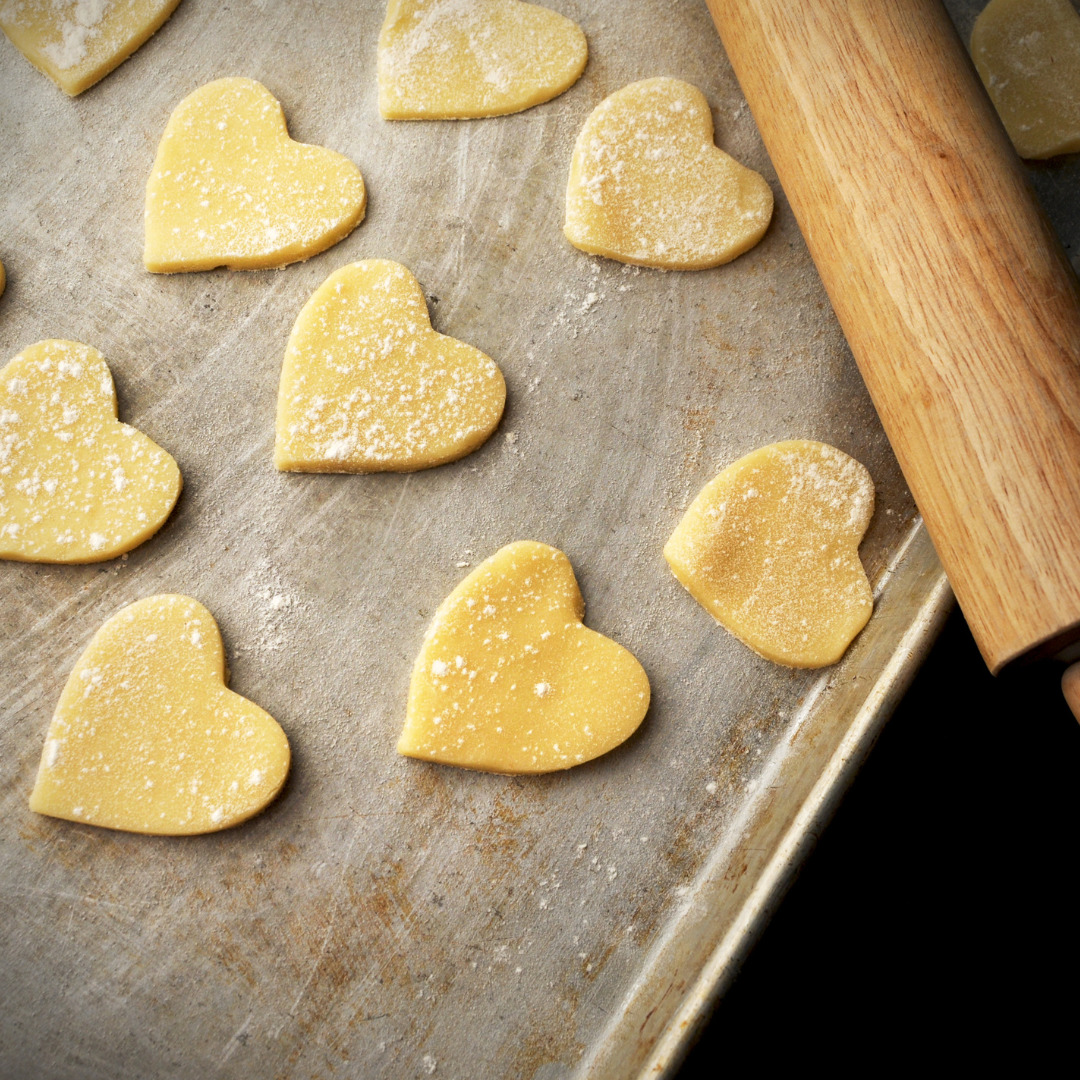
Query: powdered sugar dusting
{"type": "Point", "coordinates": [80, 26]}
{"type": "Point", "coordinates": [78, 41]}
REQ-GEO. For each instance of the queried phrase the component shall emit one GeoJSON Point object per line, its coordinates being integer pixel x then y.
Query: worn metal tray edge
{"type": "Point", "coordinates": [733, 896]}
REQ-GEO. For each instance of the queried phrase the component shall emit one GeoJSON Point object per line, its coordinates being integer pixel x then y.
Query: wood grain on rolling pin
{"type": "Point", "coordinates": [957, 300]}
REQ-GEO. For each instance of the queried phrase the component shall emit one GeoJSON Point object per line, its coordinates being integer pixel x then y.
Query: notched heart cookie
{"type": "Point", "coordinates": [510, 680]}
{"type": "Point", "coordinates": [78, 42]}
{"type": "Point", "coordinates": [648, 186]}
{"type": "Point", "coordinates": [368, 386]}
{"type": "Point", "coordinates": [230, 188]}
{"type": "Point", "coordinates": [76, 485]}
{"type": "Point", "coordinates": [1027, 53]}
{"type": "Point", "coordinates": [146, 736]}
{"type": "Point", "coordinates": [770, 548]}
{"type": "Point", "coordinates": [462, 59]}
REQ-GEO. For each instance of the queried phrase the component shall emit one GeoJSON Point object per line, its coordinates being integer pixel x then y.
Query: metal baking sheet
{"type": "Point", "coordinates": [385, 917]}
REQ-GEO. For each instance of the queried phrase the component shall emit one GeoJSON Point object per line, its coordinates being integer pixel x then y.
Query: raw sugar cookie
{"type": "Point", "coordinates": [770, 548]}
{"type": "Point", "coordinates": [368, 386]}
{"type": "Point", "coordinates": [146, 736]}
{"type": "Point", "coordinates": [509, 680]}
{"type": "Point", "coordinates": [230, 188]}
{"type": "Point", "coordinates": [1027, 53]}
{"type": "Point", "coordinates": [76, 485]}
{"type": "Point", "coordinates": [647, 185]}
{"type": "Point", "coordinates": [78, 42]}
{"type": "Point", "coordinates": [460, 59]}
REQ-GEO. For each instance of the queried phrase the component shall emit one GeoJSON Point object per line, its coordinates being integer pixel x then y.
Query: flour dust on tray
{"type": "Point", "coordinates": [76, 485]}
{"type": "Point", "coordinates": [462, 59]}
{"type": "Point", "coordinates": [770, 548]}
{"type": "Point", "coordinates": [368, 386]}
{"type": "Point", "coordinates": [230, 188]}
{"type": "Point", "coordinates": [648, 186]}
{"type": "Point", "coordinates": [147, 738]}
{"type": "Point", "coordinates": [510, 680]}
{"type": "Point", "coordinates": [78, 42]}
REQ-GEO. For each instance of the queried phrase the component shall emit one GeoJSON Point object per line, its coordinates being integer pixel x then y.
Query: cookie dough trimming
{"type": "Point", "coordinates": [1027, 53]}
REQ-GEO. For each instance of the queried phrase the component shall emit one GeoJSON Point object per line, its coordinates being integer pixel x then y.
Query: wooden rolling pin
{"type": "Point", "coordinates": [956, 298]}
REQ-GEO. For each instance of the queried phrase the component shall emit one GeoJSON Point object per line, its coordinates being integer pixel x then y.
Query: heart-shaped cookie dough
{"type": "Point", "coordinates": [460, 59]}
{"type": "Point", "coordinates": [647, 185]}
{"type": "Point", "coordinates": [146, 736]}
{"type": "Point", "coordinates": [1027, 53]}
{"type": "Point", "coordinates": [76, 485]}
{"type": "Point", "coordinates": [230, 188]}
{"type": "Point", "coordinates": [770, 548]}
{"type": "Point", "coordinates": [510, 680]}
{"type": "Point", "coordinates": [368, 386]}
{"type": "Point", "coordinates": [78, 42]}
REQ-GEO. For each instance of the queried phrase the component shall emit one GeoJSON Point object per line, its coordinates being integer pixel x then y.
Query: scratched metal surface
{"type": "Point", "coordinates": [384, 917]}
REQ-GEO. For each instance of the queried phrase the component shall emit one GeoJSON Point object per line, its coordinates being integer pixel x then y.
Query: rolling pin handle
{"type": "Point", "coordinates": [1070, 687]}
{"type": "Point", "coordinates": [958, 302]}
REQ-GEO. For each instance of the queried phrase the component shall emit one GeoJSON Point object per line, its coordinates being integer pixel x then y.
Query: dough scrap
{"type": "Point", "coordinates": [368, 386]}
{"type": "Point", "coordinates": [230, 188]}
{"type": "Point", "coordinates": [647, 186]}
{"type": "Point", "coordinates": [78, 42]}
{"type": "Point", "coordinates": [146, 736]}
{"type": "Point", "coordinates": [76, 485]}
{"type": "Point", "coordinates": [510, 680]}
{"type": "Point", "coordinates": [770, 548]}
{"type": "Point", "coordinates": [1027, 53]}
{"type": "Point", "coordinates": [463, 59]}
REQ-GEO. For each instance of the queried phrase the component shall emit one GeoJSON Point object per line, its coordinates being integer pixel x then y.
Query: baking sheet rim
{"type": "Point", "coordinates": [873, 706]}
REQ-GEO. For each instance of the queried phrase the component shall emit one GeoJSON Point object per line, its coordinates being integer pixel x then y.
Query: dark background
{"type": "Point", "coordinates": [937, 918]}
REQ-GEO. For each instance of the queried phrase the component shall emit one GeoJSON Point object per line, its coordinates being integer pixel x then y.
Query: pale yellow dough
{"type": "Point", "coordinates": [1027, 53]}
{"type": "Point", "coordinates": [647, 186]}
{"type": "Point", "coordinates": [76, 485]}
{"type": "Point", "coordinates": [230, 188]}
{"type": "Point", "coordinates": [770, 548]}
{"type": "Point", "coordinates": [461, 59]}
{"type": "Point", "coordinates": [509, 680]}
{"type": "Point", "coordinates": [368, 386]}
{"type": "Point", "coordinates": [78, 42]}
{"type": "Point", "coordinates": [146, 736]}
